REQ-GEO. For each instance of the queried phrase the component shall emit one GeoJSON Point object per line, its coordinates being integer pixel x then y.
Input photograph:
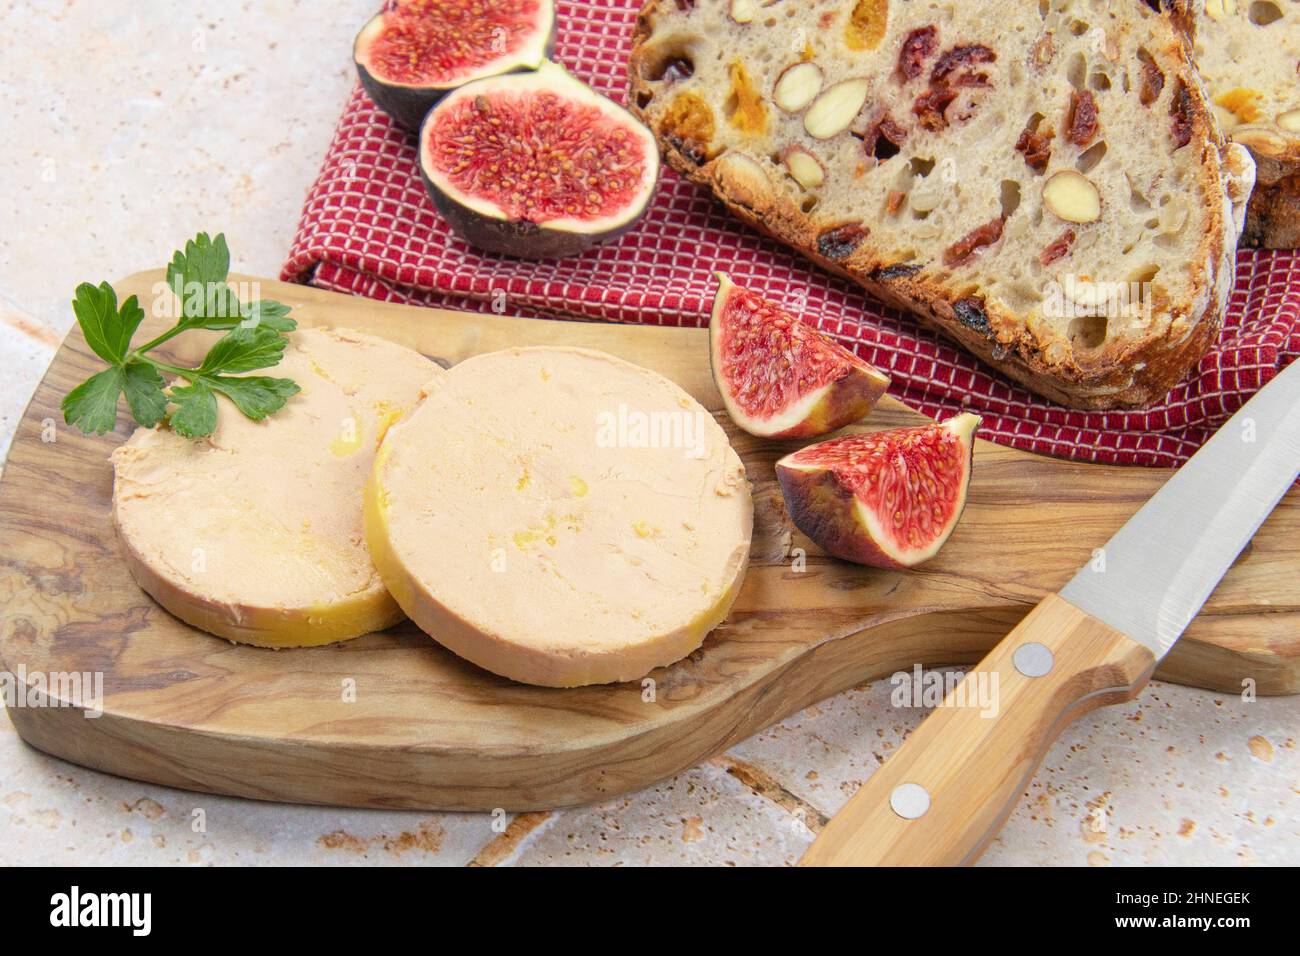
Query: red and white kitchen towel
{"type": "Point", "coordinates": [369, 228]}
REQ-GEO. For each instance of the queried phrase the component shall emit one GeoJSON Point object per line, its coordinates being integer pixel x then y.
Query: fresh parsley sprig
{"type": "Point", "coordinates": [254, 340]}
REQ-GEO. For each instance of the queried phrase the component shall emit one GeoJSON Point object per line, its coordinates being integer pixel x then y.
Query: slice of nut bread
{"type": "Point", "coordinates": [1041, 180]}
{"type": "Point", "coordinates": [1248, 53]}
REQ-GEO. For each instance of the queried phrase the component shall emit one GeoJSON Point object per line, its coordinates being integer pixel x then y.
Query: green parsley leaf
{"type": "Point", "coordinates": [263, 313]}
{"type": "Point", "coordinates": [198, 277]}
{"type": "Point", "coordinates": [107, 329]}
{"type": "Point", "coordinates": [213, 306]}
{"type": "Point", "coordinates": [92, 405]}
{"type": "Point", "coordinates": [196, 410]}
{"type": "Point", "coordinates": [243, 350]}
{"type": "Point", "coordinates": [267, 313]}
{"type": "Point", "coordinates": [255, 395]}
{"type": "Point", "coordinates": [144, 393]}
{"type": "Point", "coordinates": [202, 262]}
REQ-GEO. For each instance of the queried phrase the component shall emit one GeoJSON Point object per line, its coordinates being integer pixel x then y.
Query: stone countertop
{"type": "Point", "coordinates": [127, 131]}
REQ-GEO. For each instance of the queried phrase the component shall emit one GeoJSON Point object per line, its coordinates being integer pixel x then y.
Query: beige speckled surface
{"type": "Point", "coordinates": [218, 121]}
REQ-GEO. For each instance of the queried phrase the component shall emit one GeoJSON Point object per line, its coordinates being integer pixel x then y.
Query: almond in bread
{"type": "Point", "coordinates": [1248, 53]}
{"type": "Point", "coordinates": [1041, 180]}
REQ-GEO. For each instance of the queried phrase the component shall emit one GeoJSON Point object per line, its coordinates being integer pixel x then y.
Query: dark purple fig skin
{"type": "Point", "coordinates": [405, 106]}
{"type": "Point", "coordinates": [408, 105]}
{"type": "Point", "coordinates": [823, 509]}
{"type": "Point", "coordinates": [523, 240]}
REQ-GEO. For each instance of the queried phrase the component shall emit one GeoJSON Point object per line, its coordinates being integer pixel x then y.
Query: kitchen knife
{"type": "Point", "coordinates": [948, 789]}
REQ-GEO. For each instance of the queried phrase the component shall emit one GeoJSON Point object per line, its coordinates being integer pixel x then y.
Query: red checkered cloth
{"type": "Point", "coordinates": [368, 228]}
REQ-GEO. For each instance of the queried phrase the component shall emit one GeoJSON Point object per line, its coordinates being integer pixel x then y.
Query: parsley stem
{"type": "Point", "coordinates": [170, 333]}
{"type": "Point", "coordinates": [189, 374]}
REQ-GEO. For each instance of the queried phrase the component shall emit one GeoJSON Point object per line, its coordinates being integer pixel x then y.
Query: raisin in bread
{"type": "Point", "coordinates": [1248, 54]}
{"type": "Point", "coordinates": [1039, 179]}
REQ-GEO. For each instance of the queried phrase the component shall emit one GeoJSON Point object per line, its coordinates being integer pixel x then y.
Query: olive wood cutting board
{"type": "Point", "coordinates": [429, 731]}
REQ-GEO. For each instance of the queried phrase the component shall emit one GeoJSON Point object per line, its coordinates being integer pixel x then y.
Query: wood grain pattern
{"type": "Point", "coordinates": [429, 731]}
{"type": "Point", "coordinates": [974, 760]}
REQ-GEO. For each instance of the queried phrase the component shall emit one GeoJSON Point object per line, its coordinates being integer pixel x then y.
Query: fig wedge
{"type": "Point", "coordinates": [889, 499]}
{"type": "Point", "coordinates": [781, 378]}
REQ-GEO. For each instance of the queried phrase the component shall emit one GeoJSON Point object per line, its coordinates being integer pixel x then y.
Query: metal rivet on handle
{"type": "Point", "coordinates": [1033, 659]}
{"type": "Point", "coordinates": [910, 800]}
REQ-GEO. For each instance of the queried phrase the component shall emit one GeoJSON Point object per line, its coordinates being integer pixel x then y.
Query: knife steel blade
{"type": "Point", "coordinates": [1152, 577]}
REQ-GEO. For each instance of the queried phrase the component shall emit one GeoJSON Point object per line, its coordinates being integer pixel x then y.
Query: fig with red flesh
{"type": "Point", "coordinates": [781, 378]}
{"type": "Point", "coordinates": [889, 499]}
{"type": "Point", "coordinates": [536, 165]}
{"type": "Point", "coordinates": [414, 52]}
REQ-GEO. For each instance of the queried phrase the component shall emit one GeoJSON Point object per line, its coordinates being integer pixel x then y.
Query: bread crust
{"type": "Point", "coordinates": [1123, 373]}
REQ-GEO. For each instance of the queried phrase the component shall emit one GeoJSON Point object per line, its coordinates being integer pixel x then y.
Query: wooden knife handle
{"type": "Point", "coordinates": [945, 793]}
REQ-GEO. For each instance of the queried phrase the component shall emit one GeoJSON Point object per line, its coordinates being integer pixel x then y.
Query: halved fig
{"type": "Point", "coordinates": [413, 52]}
{"type": "Point", "coordinates": [537, 164]}
{"type": "Point", "coordinates": [889, 499]}
{"type": "Point", "coordinates": [781, 378]}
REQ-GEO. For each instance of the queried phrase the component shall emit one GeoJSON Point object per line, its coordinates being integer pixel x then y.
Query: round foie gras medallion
{"type": "Point", "coordinates": [256, 532]}
{"type": "Point", "coordinates": [560, 516]}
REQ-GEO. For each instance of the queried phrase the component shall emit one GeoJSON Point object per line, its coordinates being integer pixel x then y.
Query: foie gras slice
{"type": "Point", "coordinates": [256, 533]}
{"type": "Point", "coordinates": [560, 517]}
